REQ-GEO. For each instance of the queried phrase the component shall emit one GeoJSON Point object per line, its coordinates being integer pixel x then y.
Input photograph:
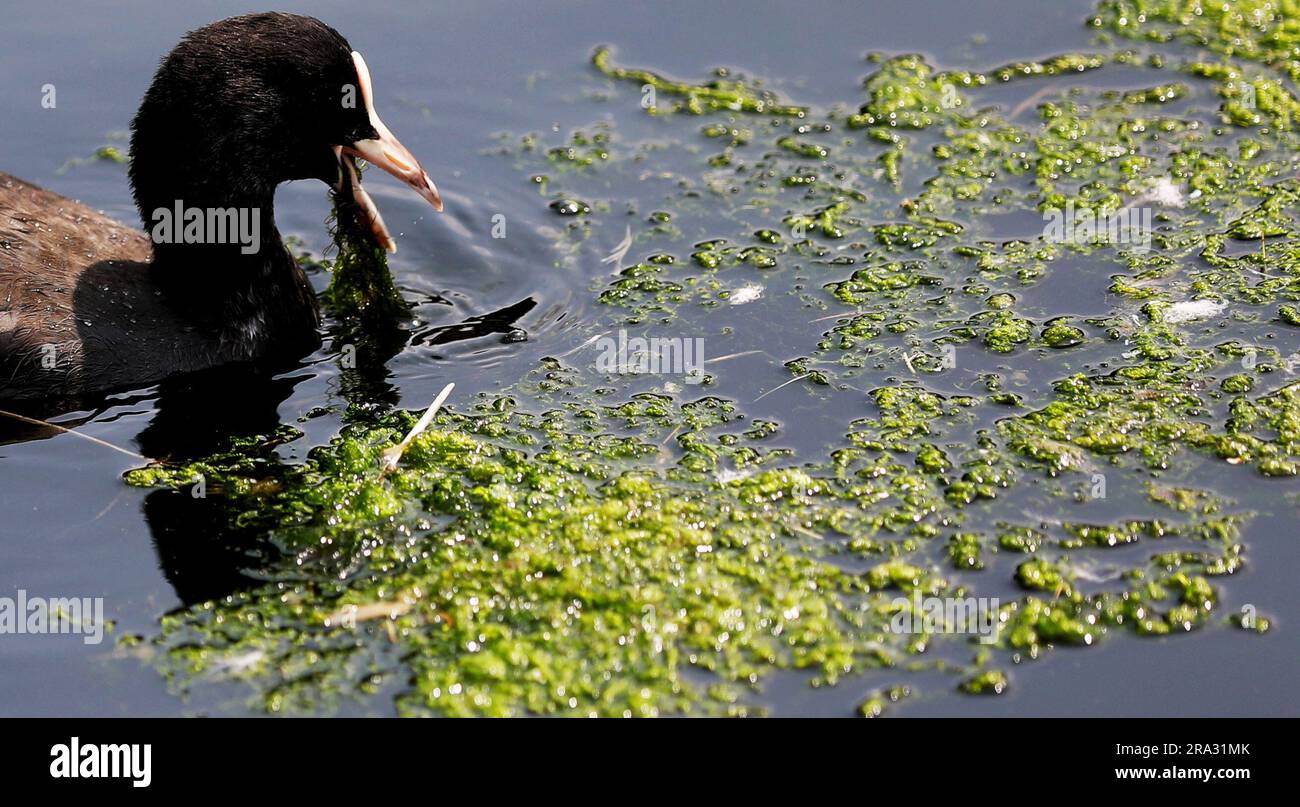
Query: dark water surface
{"type": "Point", "coordinates": [448, 78]}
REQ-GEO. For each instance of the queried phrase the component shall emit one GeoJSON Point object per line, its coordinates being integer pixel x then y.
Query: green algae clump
{"type": "Point", "coordinates": [360, 283]}
{"type": "Point", "coordinates": [542, 581]}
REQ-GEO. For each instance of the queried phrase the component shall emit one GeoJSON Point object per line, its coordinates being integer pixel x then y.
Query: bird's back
{"type": "Point", "coordinates": [71, 280]}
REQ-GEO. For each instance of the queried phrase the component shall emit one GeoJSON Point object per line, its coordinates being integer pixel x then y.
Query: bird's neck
{"type": "Point", "coordinates": [225, 270]}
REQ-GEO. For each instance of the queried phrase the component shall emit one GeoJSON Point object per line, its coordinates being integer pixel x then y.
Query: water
{"type": "Point", "coordinates": [448, 78]}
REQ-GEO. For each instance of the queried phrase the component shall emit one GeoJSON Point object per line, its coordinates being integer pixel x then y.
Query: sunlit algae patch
{"type": "Point", "coordinates": [360, 283]}
{"type": "Point", "coordinates": [560, 550]}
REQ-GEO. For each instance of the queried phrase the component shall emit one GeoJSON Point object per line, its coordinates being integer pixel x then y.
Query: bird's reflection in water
{"type": "Point", "coordinates": [501, 321]}
{"type": "Point", "coordinates": [202, 554]}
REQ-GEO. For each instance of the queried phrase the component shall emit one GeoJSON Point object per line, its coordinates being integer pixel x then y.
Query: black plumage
{"type": "Point", "coordinates": [237, 108]}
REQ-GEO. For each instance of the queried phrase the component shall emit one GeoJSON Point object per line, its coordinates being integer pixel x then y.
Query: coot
{"type": "Point", "coordinates": [237, 108]}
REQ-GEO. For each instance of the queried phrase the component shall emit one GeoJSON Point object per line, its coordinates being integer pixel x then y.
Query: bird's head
{"type": "Point", "coordinates": [244, 104]}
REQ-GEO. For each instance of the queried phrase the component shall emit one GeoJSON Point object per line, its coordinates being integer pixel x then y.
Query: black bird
{"type": "Point", "coordinates": [238, 107]}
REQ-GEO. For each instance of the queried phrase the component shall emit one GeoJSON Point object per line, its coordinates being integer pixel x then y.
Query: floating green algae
{"type": "Point", "coordinates": [562, 582]}
{"type": "Point", "coordinates": [718, 94]}
{"type": "Point", "coordinates": [104, 154]}
{"type": "Point", "coordinates": [594, 544]}
{"type": "Point", "coordinates": [537, 563]}
{"type": "Point", "coordinates": [1261, 31]}
{"type": "Point", "coordinates": [990, 682]}
{"type": "Point", "coordinates": [879, 702]}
